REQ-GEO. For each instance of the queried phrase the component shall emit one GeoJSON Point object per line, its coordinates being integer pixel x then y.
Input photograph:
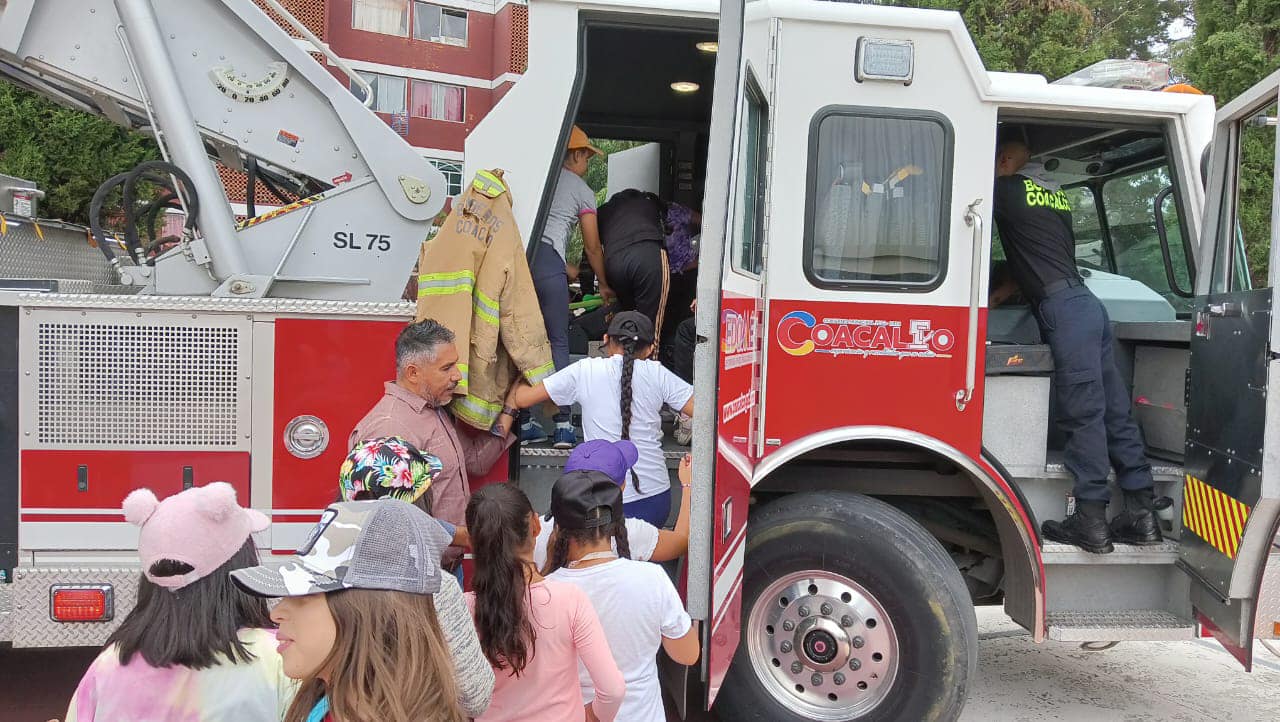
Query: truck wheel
{"type": "Point", "coordinates": [852, 611]}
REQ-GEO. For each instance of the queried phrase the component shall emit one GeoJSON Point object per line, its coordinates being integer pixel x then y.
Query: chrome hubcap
{"type": "Point", "coordinates": [822, 645]}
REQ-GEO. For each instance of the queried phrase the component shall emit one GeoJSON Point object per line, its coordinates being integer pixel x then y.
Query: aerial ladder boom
{"type": "Point", "coordinates": [219, 79]}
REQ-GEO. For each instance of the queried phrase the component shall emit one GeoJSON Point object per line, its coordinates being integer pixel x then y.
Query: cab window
{"type": "Point", "coordinates": [748, 204]}
{"type": "Point", "coordinates": [1091, 249]}
{"type": "Point", "coordinates": [1134, 205]}
{"type": "Point", "coordinates": [878, 193]}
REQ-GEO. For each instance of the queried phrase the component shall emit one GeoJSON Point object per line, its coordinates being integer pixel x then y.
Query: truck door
{"type": "Point", "coordinates": [726, 378]}
{"type": "Point", "coordinates": [1231, 493]}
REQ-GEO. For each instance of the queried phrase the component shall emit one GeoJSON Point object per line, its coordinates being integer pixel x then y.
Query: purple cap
{"type": "Point", "coordinates": [614, 458]}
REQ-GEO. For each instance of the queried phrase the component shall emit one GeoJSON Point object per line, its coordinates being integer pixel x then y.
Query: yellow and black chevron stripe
{"type": "Point", "coordinates": [1213, 516]}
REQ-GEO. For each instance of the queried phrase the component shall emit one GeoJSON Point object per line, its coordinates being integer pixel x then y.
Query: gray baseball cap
{"type": "Point", "coordinates": [384, 544]}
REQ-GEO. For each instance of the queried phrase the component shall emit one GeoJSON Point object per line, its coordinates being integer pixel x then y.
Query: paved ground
{"type": "Point", "coordinates": [1017, 681]}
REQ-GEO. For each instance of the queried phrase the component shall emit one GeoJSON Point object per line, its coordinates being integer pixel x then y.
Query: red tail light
{"type": "Point", "coordinates": [85, 603]}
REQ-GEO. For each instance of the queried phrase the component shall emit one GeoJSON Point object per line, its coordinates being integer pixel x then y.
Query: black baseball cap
{"type": "Point", "coordinates": [585, 500]}
{"type": "Point", "coordinates": [633, 325]}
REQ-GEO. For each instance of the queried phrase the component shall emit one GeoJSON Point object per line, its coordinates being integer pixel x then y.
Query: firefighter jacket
{"type": "Point", "coordinates": [474, 279]}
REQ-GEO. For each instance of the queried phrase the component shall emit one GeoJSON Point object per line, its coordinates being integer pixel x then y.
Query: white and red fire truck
{"type": "Point", "coordinates": [873, 445]}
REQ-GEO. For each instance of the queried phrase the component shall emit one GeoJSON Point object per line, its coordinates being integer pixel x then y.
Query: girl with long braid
{"type": "Point", "coordinates": [638, 606]}
{"type": "Point", "coordinates": [622, 395]}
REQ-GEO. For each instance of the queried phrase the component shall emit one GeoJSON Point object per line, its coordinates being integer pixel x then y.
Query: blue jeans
{"type": "Point", "coordinates": [551, 283]}
{"type": "Point", "coordinates": [1094, 410]}
{"type": "Point", "coordinates": [653, 509]}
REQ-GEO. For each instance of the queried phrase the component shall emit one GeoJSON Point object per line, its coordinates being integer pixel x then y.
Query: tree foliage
{"type": "Point", "coordinates": [1234, 46]}
{"type": "Point", "coordinates": [67, 153]}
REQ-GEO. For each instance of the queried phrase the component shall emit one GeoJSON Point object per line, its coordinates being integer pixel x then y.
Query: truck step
{"type": "Point", "coordinates": [1125, 625]}
{"type": "Point", "coordinates": [1164, 553]}
{"type": "Point", "coordinates": [1161, 471]}
{"type": "Point", "coordinates": [539, 455]}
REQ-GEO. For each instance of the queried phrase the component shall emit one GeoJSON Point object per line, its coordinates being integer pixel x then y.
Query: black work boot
{"type": "Point", "coordinates": [1137, 524]}
{"type": "Point", "coordinates": [1086, 528]}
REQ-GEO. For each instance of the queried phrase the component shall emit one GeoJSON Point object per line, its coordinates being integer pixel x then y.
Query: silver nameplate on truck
{"type": "Point", "coordinates": [880, 59]}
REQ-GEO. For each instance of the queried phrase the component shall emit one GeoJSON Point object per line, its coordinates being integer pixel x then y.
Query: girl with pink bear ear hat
{"type": "Point", "coordinates": [194, 647]}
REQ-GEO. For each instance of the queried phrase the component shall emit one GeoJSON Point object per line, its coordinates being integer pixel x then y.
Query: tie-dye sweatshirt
{"type": "Point", "coordinates": [258, 690]}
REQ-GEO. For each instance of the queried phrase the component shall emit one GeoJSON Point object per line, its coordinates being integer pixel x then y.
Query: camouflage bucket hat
{"type": "Point", "coordinates": [385, 467]}
{"type": "Point", "coordinates": [384, 544]}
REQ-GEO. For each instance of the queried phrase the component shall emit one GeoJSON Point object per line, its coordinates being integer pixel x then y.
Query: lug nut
{"type": "Point", "coordinates": [804, 611]}
{"type": "Point", "coordinates": [846, 621]}
{"type": "Point", "coordinates": [816, 680]}
{"type": "Point", "coordinates": [796, 668]}
{"type": "Point", "coordinates": [786, 647]}
{"type": "Point", "coordinates": [826, 609]}
{"type": "Point", "coordinates": [838, 677]}
{"type": "Point", "coordinates": [855, 664]}
{"type": "Point", "coordinates": [859, 642]}
{"type": "Point", "coordinates": [789, 626]}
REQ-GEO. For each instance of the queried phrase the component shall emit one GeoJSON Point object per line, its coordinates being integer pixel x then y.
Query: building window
{"type": "Point", "coordinates": [439, 25]}
{"type": "Point", "coordinates": [388, 92]}
{"type": "Point", "coordinates": [389, 17]}
{"type": "Point", "coordinates": [437, 101]}
{"type": "Point", "coordinates": [452, 172]}
{"type": "Point", "coordinates": [878, 196]}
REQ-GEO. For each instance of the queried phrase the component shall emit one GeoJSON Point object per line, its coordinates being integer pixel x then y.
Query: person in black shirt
{"type": "Point", "coordinates": [1093, 402]}
{"type": "Point", "coordinates": [632, 229]}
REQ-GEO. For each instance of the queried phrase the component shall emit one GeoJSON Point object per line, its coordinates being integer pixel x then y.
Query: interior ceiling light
{"type": "Point", "coordinates": [684, 86]}
{"type": "Point", "coordinates": [708, 46]}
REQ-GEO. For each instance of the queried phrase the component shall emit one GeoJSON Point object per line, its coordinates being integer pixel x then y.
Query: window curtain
{"type": "Point", "coordinates": [438, 101]}
{"type": "Point", "coordinates": [879, 187]}
{"type": "Point", "coordinates": [390, 17]}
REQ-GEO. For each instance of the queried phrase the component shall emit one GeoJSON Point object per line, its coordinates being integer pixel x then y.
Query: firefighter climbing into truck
{"type": "Point", "coordinates": [873, 446]}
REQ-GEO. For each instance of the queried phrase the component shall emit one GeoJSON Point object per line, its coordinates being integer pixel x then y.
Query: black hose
{"type": "Point", "coordinates": [95, 214]}
{"type": "Point", "coordinates": [150, 213]}
{"type": "Point", "coordinates": [144, 171]}
{"type": "Point", "coordinates": [271, 187]}
{"type": "Point", "coordinates": [251, 188]}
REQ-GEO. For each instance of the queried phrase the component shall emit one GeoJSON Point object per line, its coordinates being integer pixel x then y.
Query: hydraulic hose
{"type": "Point", "coordinates": [95, 215]}
{"type": "Point", "coordinates": [157, 172]}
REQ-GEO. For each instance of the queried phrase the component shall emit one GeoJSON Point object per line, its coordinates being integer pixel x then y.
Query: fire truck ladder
{"type": "Point", "coordinates": [219, 79]}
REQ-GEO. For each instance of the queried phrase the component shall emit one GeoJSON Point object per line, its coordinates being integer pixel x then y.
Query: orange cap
{"type": "Point", "coordinates": [578, 140]}
{"type": "Point", "coordinates": [1183, 88]}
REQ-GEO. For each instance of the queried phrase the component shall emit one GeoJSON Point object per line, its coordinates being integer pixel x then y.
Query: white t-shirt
{"type": "Point", "coordinates": [642, 538]}
{"type": "Point", "coordinates": [638, 606]}
{"type": "Point", "coordinates": [595, 383]}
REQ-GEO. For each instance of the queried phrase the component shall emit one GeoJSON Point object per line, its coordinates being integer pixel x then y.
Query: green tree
{"type": "Point", "coordinates": [67, 153]}
{"type": "Point", "coordinates": [1057, 37]}
{"type": "Point", "coordinates": [1234, 46]}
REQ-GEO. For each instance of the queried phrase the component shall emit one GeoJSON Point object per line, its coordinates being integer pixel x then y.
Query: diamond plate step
{"type": "Point", "coordinates": [547, 456]}
{"type": "Point", "coordinates": [1164, 553]}
{"type": "Point", "coordinates": [1160, 471]}
{"type": "Point", "coordinates": [1125, 625]}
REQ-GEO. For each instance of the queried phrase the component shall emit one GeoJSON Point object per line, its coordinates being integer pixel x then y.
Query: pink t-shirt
{"type": "Point", "coordinates": [547, 689]}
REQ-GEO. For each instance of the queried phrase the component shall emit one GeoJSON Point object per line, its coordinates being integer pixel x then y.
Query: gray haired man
{"type": "Point", "coordinates": [412, 407]}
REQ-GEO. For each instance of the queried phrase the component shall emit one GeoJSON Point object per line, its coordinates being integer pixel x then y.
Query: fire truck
{"type": "Point", "coordinates": [874, 446]}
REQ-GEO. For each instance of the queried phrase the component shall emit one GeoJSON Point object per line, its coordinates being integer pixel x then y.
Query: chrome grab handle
{"type": "Point", "coordinates": [324, 50]}
{"type": "Point", "coordinates": [974, 221]}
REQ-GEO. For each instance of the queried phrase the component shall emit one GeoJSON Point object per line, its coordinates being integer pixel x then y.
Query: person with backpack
{"type": "Point", "coordinates": [622, 395]}
{"type": "Point", "coordinates": [637, 603]}
{"type": "Point", "coordinates": [357, 617]}
{"type": "Point", "coordinates": [534, 631]}
{"type": "Point", "coordinates": [193, 647]}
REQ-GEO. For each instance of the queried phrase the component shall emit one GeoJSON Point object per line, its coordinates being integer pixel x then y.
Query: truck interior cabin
{"type": "Point", "coordinates": [652, 83]}
{"type": "Point", "coordinates": [1135, 253]}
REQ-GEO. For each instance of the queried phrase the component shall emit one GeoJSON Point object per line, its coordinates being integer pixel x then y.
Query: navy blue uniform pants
{"type": "Point", "coordinates": [551, 283]}
{"type": "Point", "coordinates": [1094, 410]}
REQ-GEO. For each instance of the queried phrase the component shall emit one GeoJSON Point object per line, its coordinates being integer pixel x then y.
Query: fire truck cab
{"type": "Point", "coordinates": [874, 444]}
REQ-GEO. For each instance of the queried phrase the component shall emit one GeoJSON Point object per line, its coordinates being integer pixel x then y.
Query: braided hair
{"type": "Point", "coordinates": [628, 370]}
{"type": "Point", "coordinates": [633, 332]}
{"type": "Point", "coordinates": [561, 537]}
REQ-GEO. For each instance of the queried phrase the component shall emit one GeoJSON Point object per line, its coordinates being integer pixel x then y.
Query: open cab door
{"type": "Point", "coordinates": [726, 364]}
{"type": "Point", "coordinates": [1231, 494]}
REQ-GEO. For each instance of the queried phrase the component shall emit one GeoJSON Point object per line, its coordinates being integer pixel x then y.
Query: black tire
{"type": "Point", "coordinates": [901, 566]}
